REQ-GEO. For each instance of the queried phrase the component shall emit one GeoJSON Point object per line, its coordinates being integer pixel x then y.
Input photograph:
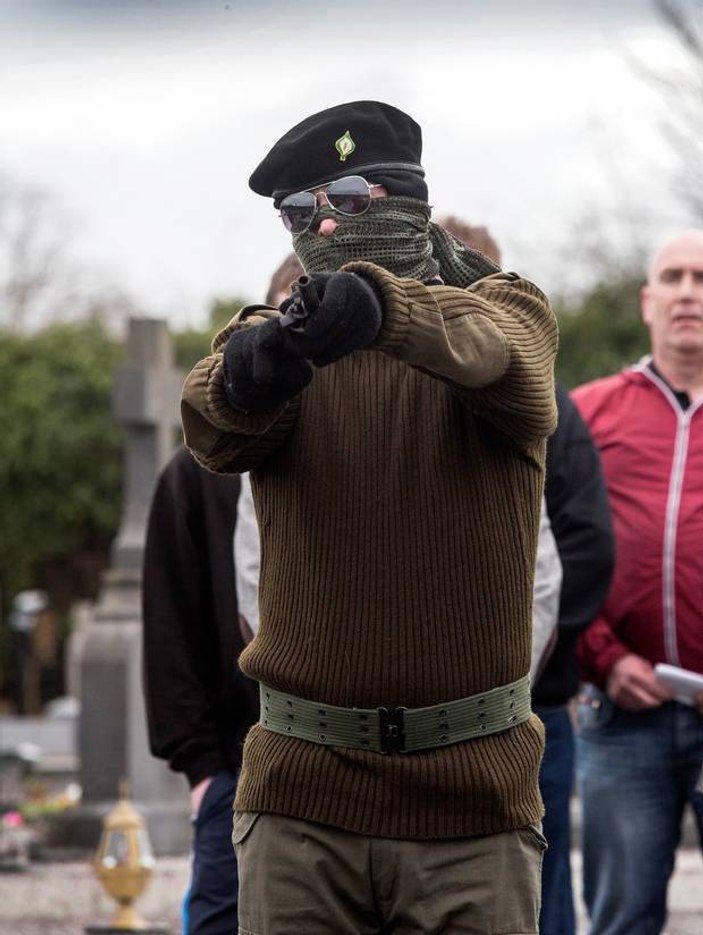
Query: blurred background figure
{"type": "Point", "coordinates": [282, 280]}
{"type": "Point", "coordinates": [199, 704]}
{"type": "Point", "coordinates": [578, 511]}
{"type": "Point", "coordinates": [475, 236]}
{"type": "Point", "coordinates": [640, 753]}
{"type": "Point", "coordinates": [34, 650]}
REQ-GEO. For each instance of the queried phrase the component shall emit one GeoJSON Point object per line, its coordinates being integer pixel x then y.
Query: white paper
{"type": "Point", "coordinates": [684, 684]}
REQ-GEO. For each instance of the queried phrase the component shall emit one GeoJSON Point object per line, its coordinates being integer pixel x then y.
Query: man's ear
{"type": "Point", "coordinates": [645, 304]}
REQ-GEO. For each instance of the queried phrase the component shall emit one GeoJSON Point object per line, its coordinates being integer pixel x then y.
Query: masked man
{"type": "Point", "coordinates": [395, 436]}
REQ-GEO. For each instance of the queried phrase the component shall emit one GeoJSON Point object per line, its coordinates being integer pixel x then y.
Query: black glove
{"type": "Point", "coordinates": [348, 318]}
{"type": "Point", "coordinates": [260, 371]}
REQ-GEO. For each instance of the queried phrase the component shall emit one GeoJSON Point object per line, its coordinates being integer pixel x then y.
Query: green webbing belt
{"type": "Point", "coordinates": [397, 730]}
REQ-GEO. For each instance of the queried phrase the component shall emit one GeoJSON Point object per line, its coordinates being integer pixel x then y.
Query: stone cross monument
{"type": "Point", "coordinates": [112, 735]}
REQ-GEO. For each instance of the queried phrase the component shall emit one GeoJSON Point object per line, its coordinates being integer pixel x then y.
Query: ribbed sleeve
{"type": "Point", "coordinates": [494, 343]}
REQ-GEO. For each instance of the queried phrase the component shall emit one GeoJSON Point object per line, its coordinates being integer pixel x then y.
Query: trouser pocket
{"type": "Point", "coordinates": [242, 826]}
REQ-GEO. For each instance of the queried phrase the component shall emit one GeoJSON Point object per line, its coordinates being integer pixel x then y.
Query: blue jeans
{"type": "Point", "coordinates": [556, 778]}
{"type": "Point", "coordinates": [636, 772]}
{"type": "Point", "coordinates": [210, 905]}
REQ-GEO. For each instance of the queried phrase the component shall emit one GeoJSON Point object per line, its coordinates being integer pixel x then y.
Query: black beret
{"type": "Point", "coordinates": [359, 138]}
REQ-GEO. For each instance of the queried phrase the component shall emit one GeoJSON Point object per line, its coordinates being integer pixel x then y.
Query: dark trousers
{"type": "Point", "coordinates": [210, 905]}
{"type": "Point", "coordinates": [556, 782]}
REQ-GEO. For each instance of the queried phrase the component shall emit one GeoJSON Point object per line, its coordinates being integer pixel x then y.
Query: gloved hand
{"type": "Point", "coordinates": [260, 371]}
{"type": "Point", "coordinates": [348, 318]}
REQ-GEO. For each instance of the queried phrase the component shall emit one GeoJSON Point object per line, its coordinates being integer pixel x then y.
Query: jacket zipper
{"type": "Point", "coordinates": [683, 425]}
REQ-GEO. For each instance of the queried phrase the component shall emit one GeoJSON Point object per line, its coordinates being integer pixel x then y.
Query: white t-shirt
{"type": "Point", "coordinates": [247, 557]}
{"type": "Point", "coordinates": [546, 595]}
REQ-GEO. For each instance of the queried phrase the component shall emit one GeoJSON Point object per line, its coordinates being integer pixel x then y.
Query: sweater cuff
{"type": "Point", "coordinates": [229, 419]}
{"type": "Point", "coordinates": [207, 765]}
{"type": "Point", "coordinates": [605, 662]}
{"type": "Point", "coordinates": [396, 307]}
{"type": "Point", "coordinates": [598, 651]}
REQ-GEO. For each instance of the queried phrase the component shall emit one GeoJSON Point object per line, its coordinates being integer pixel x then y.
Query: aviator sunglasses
{"type": "Point", "coordinates": [350, 195]}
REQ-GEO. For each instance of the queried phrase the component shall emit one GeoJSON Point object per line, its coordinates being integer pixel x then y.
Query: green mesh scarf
{"type": "Point", "coordinates": [397, 234]}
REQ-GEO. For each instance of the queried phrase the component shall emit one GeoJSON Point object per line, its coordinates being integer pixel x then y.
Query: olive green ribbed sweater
{"type": "Point", "coordinates": [398, 510]}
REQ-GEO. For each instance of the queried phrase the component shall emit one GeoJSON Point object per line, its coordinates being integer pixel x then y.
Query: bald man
{"type": "Point", "coordinates": [640, 752]}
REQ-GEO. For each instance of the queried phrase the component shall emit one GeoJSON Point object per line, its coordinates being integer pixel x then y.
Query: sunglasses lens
{"type": "Point", "coordinates": [350, 195]}
{"type": "Point", "coordinates": [297, 211]}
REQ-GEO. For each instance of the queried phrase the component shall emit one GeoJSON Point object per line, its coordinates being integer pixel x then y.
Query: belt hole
{"type": "Point", "coordinates": [444, 726]}
{"type": "Point", "coordinates": [266, 723]}
{"type": "Point", "coordinates": [482, 715]}
{"type": "Point", "coordinates": [268, 696]}
{"type": "Point", "coordinates": [322, 724]}
{"type": "Point", "coordinates": [363, 717]}
{"type": "Point", "coordinates": [266, 708]}
{"type": "Point", "coordinates": [512, 705]}
{"type": "Point", "coordinates": [289, 703]}
{"type": "Point", "coordinates": [366, 742]}
{"type": "Point", "coordinates": [481, 702]}
{"type": "Point", "coordinates": [321, 712]}
{"type": "Point", "coordinates": [443, 713]}
{"type": "Point", "coordinates": [323, 737]}
{"type": "Point", "coordinates": [444, 738]}
{"type": "Point", "coordinates": [483, 726]}
{"type": "Point", "coordinates": [512, 718]}
{"type": "Point", "coordinates": [364, 729]}
{"type": "Point", "coordinates": [512, 691]}
{"type": "Point", "coordinates": [290, 717]}
{"type": "Point", "coordinates": [289, 729]}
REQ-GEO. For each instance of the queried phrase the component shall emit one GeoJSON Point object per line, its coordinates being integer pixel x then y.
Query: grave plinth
{"type": "Point", "coordinates": [113, 741]}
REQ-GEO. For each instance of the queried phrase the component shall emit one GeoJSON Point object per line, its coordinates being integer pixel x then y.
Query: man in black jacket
{"type": "Point", "coordinates": [578, 510]}
{"type": "Point", "coordinates": [199, 705]}
{"type": "Point", "coordinates": [577, 505]}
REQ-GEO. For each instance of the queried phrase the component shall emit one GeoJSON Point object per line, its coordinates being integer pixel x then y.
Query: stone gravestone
{"type": "Point", "coordinates": [112, 734]}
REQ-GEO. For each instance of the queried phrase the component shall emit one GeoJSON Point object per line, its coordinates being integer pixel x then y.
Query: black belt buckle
{"type": "Point", "coordinates": [392, 725]}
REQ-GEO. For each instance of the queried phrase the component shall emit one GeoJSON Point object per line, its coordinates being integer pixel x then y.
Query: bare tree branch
{"type": "Point", "coordinates": [680, 91]}
{"type": "Point", "coordinates": [673, 14]}
{"type": "Point", "coordinates": [33, 232]}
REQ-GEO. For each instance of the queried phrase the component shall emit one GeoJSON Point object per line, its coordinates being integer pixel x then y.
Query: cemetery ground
{"type": "Point", "coordinates": [61, 897]}
{"type": "Point", "coordinates": [58, 894]}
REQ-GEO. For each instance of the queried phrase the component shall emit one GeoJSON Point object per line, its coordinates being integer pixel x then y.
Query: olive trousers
{"type": "Point", "coordinates": [302, 878]}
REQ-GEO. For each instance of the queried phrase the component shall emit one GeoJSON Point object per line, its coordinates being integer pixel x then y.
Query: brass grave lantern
{"type": "Point", "coordinates": [124, 864]}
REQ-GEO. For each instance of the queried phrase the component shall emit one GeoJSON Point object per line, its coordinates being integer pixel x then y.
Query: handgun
{"type": "Point", "coordinates": [303, 302]}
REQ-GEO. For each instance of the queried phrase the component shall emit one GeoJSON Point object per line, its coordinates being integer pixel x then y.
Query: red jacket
{"type": "Point", "coordinates": [652, 454]}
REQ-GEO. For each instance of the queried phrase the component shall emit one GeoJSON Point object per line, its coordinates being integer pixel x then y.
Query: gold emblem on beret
{"type": "Point", "coordinates": [345, 146]}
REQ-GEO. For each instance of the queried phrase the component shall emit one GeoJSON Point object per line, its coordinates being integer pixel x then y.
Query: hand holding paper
{"type": "Point", "coordinates": [633, 685]}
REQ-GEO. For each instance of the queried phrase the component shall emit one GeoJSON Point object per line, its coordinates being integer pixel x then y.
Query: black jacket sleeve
{"type": "Point", "coordinates": [577, 504]}
{"type": "Point", "coordinates": [199, 705]}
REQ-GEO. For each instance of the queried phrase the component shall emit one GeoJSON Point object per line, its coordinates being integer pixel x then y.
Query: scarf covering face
{"type": "Point", "coordinates": [395, 233]}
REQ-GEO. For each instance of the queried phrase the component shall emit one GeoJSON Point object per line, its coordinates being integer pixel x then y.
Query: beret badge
{"type": "Point", "coordinates": [345, 146]}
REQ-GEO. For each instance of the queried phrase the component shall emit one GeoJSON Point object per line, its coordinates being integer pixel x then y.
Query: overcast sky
{"type": "Point", "coordinates": [146, 117]}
